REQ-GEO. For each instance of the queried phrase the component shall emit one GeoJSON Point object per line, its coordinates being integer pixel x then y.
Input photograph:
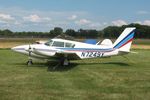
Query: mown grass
{"type": "Point", "coordinates": [113, 78]}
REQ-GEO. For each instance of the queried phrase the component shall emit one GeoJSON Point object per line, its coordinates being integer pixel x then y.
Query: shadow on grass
{"type": "Point", "coordinates": [106, 63]}
{"type": "Point", "coordinates": [117, 63]}
{"type": "Point", "coordinates": [54, 66]}
{"type": "Point", "coordinates": [34, 64]}
{"type": "Point", "coordinates": [51, 66]}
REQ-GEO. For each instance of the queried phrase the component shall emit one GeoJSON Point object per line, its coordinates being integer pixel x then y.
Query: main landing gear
{"type": "Point", "coordinates": [61, 63]}
{"type": "Point", "coordinates": [64, 61]}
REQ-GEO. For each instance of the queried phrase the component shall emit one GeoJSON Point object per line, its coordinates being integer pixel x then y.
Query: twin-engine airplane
{"type": "Point", "coordinates": [66, 50]}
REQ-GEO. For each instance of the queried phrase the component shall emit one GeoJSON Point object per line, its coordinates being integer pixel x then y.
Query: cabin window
{"type": "Point", "coordinates": [69, 45]}
{"type": "Point", "coordinates": [49, 43]}
{"type": "Point", "coordinates": [58, 44]}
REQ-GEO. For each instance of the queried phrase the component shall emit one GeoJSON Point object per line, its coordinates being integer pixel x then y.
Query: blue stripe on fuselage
{"type": "Point", "coordinates": [78, 50]}
{"type": "Point", "coordinates": [86, 49]}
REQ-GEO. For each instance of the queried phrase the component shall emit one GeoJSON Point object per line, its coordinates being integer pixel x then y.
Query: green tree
{"type": "Point", "coordinates": [56, 31]}
{"type": "Point", "coordinates": [111, 31]}
{"type": "Point", "coordinates": [70, 32]}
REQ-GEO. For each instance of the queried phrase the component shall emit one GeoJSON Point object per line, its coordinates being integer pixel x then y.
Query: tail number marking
{"type": "Point", "coordinates": [92, 54]}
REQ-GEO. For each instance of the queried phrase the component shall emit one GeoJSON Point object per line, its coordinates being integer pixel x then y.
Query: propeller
{"type": "Point", "coordinates": [29, 50]}
{"type": "Point", "coordinates": [29, 62]}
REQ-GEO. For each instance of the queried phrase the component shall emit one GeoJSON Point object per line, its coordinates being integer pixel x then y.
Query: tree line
{"type": "Point", "coordinates": [142, 31]}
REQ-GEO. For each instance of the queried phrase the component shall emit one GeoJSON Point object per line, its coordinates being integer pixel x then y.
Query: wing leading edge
{"type": "Point", "coordinates": [70, 56]}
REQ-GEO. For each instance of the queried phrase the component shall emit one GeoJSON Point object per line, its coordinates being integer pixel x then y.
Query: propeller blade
{"type": "Point", "coordinates": [29, 50]}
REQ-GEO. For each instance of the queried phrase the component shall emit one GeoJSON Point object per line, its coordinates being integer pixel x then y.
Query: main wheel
{"type": "Point", "coordinates": [64, 61]}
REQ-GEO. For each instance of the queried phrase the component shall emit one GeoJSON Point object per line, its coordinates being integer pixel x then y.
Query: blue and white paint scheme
{"type": "Point", "coordinates": [73, 50]}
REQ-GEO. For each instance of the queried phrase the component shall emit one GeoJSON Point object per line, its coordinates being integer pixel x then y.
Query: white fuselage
{"type": "Point", "coordinates": [82, 50]}
{"type": "Point", "coordinates": [73, 50]}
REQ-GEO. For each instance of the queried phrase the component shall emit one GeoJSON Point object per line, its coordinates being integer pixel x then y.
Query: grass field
{"type": "Point", "coordinates": [113, 78]}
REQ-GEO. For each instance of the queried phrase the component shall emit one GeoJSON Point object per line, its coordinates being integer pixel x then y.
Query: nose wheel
{"type": "Point", "coordinates": [29, 62]}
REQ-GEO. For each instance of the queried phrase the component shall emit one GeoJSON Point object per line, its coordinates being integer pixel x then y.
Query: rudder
{"type": "Point", "coordinates": [124, 41]}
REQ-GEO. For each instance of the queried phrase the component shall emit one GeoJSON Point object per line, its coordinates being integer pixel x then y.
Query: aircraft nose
{"type": "Point", "coordinates": [20, 49]}
{"type": "Point", "coordinates": [14, 48]}
{"type": "Point", "coordinates": [17, 48]}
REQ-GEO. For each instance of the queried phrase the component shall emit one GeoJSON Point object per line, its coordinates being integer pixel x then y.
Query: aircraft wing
{"type": "Point", "coordinates": [70, 56]}
{"type": "Point", "coordinates": [123, 52]}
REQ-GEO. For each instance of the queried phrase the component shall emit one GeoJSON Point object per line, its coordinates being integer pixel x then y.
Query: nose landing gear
{"type": "Point", "coordinates": [29, 62]}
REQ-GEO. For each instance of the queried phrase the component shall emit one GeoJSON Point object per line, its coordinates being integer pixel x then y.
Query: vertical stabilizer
{"type": "Point", "coordinates": [124, 41]}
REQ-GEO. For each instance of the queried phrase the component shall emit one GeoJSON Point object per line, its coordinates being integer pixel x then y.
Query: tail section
{"type": "Point", "coordinates": [124, 41]}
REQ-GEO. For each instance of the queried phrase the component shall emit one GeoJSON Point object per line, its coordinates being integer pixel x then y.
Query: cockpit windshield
{"type": "Point", "coordinates": [49, 43]}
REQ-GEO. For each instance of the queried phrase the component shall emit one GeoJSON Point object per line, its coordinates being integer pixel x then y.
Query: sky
{"type": "Point", "coordinates": [44, 15]}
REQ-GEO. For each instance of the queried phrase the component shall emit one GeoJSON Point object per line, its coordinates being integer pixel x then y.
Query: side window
{"type": "Point", "coordinates": [73, 45]}
{"type": "Point", "coordinates": [69, 45]}
{"type": "Point", "coordinates": [58, 44]}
